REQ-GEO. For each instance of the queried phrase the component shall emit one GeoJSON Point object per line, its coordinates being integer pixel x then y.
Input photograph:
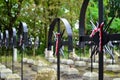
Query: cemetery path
{"type": "Point", "coordinates": [29, 74]}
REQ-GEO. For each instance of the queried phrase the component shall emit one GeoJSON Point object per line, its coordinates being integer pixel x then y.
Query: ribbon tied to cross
{"type": "Point", "coordinates": [98, 29]}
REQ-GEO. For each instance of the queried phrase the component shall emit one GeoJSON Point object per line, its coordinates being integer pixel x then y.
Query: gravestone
{"type": "Point", "coordinates": [5, 72]}
{"type": "Point", "coordinates": [116, 79]}
{"type": "Point", "coordinates": [13, 77]}
{"type": "Point", "coordinates": [110, 61]}
{"type": "Point", "coordinates": [86, 59]}
{"type": "Point", "coordinates": [2, 67]}
{"type": "Point", "coordinates": [71, 71]}
{"type": "Point", "coordinates": [52, 60]}
{"type": "Point", "coordinates": [48, 53]}
{"type": "Point", "coordinates": [30, 61]}
{"type": "Point", "coordinates": [94, 65]}
{"type": "Point", "coordinates": [90, 76]}
{"type": "Point", "coordinates": [113, 67]}
{"type": "Point", "coordinates": [62, 67]}
{"type": "Point", "coordinates": [63, 61]}
{"type": "Point", "coordinates": [38, 65]}
{"type": "Point", "coordinates": [80, 63]}
{"type": "Point", "coordinates": [46, 74]}
{"type": "Point", "coordinates": [69, 62]}
{"type": "Point", "coordinates": [25, 60]}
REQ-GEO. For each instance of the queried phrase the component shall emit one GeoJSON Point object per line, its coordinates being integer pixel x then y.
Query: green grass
{"type": "Point", "coordinates": [38, 57]}
{"type": "Point", "coordinates": [112, 74]}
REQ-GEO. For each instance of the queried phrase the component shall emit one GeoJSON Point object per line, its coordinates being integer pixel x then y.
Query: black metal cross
{"type": "Point", "coordinates": [13, 44]}
{"type": "Point", "coordinates": [59, 41]}
{"type": "Point", "coordinates": [6, 44]}
{"type": "Point", "coordinates": [22, 41]}
{"type": "Point", "coordinates": [100, 38]}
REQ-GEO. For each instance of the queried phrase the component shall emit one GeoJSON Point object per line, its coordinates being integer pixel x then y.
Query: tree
{"type": "Point", "coordinates": [112, 14]}
{"type": "Point", "coordinates": [114, 8]}
{"type": "Point", "coordinates": [9, 10]}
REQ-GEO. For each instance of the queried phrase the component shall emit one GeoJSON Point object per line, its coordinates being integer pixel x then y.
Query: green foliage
{"type": "Point", "coordinates": [37, 2]}
{"type": "Point", "coordinates": [38, 14]}
{"type": "Point", "coordinates": [40, 50]}
{"type": "Point", "coordinates": [114, 7]}
{"type": "Point", "coordinates": [92, 14]}
{"type": "Point", "coordinates": [9, 10]}
{"type": "Point", "coordinates": [115, 26]}
{"type": "Point", "coordinates": [111, 8]}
